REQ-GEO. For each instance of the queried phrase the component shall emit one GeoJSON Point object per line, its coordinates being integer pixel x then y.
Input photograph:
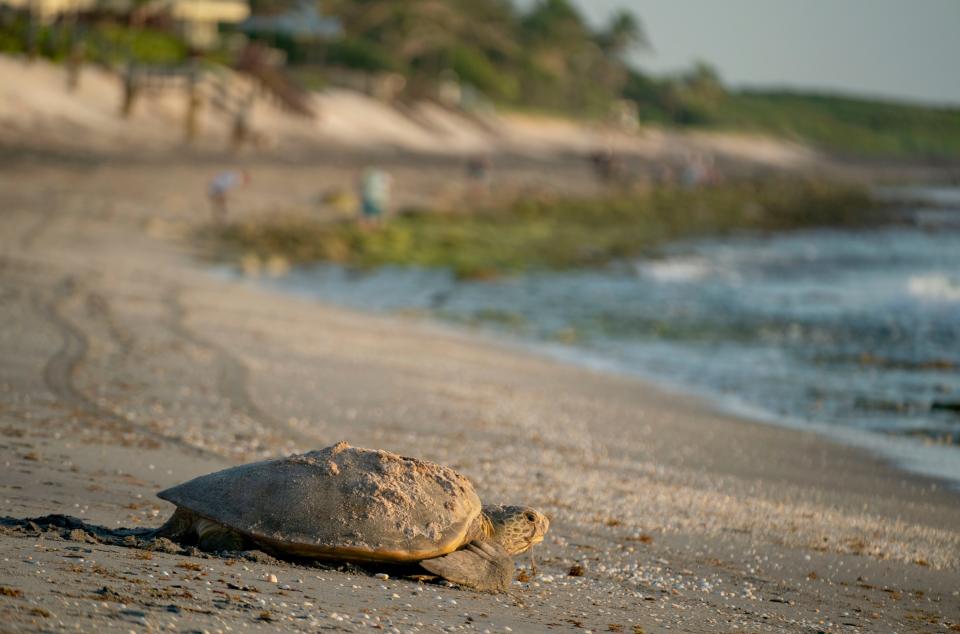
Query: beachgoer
{"type": "Point", "coordinates": [693, 173]}
{"type": "Point", "coordinates": [665, 175]}
{"type": "Point", "coordinates": [219, 188]}
{"type": "Point", "coordinates": [602, 163]}
{"type": "Point", "coordinates": [607, 166]}
{"type": "Point", "coordinates": [478, 175]}
{"type": "Point", "coordinates": [374, 195]}
{"type": "Point", "coordinates": [478, 168]}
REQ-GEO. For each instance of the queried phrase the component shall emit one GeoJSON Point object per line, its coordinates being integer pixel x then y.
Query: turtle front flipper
{"type": "Point", "coordinates": [482, 565]}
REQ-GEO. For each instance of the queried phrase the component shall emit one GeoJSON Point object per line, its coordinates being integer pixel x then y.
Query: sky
{"type": "Point", "coordinates": [902, 49]}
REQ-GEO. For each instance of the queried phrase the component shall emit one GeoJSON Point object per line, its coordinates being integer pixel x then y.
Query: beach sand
{"type": "Point", "coordinates": [127, 367]}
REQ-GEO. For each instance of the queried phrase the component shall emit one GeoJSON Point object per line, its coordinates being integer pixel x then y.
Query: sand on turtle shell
{"type": "Point", "coordinates": [341, 502]}
{"type": "Point", "coordinates": [389, 488]}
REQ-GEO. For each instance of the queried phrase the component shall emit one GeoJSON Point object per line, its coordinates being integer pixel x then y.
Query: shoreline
{"type": "Point", "coordinates": [932, 462]}
{"type": "Point", "coordinates": [907, 455]}
{"type": "Point", "coordinates": [123, 358]}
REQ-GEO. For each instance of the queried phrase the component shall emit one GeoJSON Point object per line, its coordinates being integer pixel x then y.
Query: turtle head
{"type": "Point", "coordinates": [516, 528]}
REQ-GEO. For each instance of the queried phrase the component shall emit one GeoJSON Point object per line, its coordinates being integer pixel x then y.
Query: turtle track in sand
{"type": "Point", "coordinates": [59, 369]}
{"type": "Point", "coordinates": [32, 233]}
{"type": "Point", "coordinates": [74, 529]}
{"type": "Point", "coordinates": [234, 376]}
{"type": "Point", "coordinates": [98, 307]}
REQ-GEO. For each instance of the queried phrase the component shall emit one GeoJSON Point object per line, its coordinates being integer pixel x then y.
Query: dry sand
{"type": "Point", "coordinates": [125, 368]}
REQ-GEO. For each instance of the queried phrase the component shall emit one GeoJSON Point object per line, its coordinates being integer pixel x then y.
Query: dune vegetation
{"type": "Point", "coordinates": [545, 56]}
{"type": "Point", "coordinates": [541, 56]}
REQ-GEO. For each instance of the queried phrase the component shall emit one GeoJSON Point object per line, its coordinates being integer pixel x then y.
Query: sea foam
{"type": "Point", "coordinates": [678, 269]}
{"type": "Point", "coordinates": [935, 286]}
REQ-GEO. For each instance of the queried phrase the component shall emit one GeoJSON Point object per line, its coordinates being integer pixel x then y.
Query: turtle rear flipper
{"type": "Point", "coordinates": [482, 565]}
{"type": "Point", "coordinates": [177, 527]}
{"type": "Point", "coordinates": [188, 529]}
{"type": "Point", "coordinates": [214, 538]}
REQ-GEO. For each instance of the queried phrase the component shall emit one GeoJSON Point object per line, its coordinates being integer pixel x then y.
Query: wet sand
{"type": "Point", "coordinates": [126, 368]}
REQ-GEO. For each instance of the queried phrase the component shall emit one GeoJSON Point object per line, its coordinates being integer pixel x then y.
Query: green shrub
{"type": "Point", "coordinates": [547, 233]}
{"type": "Point", "coordinates": [113, 44]}
{"type": "Point", "coordinates": [360, 55]}
{"type": "Point", "coordinates": [474, 68]}
{"type": "Point", "coordinates": [843, 124]}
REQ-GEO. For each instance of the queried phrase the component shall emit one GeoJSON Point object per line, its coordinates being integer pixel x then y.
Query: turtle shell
{"type": "Point", "coordinates": [341, 502]}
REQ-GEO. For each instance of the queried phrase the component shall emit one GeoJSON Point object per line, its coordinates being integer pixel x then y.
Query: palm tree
{"type": "Point", "coordinates": [422, 33]}
{"type": "Point", "coordinates": [623, 33]}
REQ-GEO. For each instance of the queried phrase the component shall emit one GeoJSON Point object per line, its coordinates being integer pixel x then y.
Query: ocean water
{"type": "Point", "coordinates": [855, 334]}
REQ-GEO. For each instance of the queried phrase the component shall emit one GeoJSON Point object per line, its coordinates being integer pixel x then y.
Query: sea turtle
{"type": "Point", "coordinates": [344, 503]}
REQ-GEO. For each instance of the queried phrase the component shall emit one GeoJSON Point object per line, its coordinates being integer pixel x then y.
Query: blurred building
{"type": "Point", "coordinates": [49, 10]}
{"type": "Point", "coordinates": [303, 21]}
{"type": "Point", "coordinates": [198, 21]}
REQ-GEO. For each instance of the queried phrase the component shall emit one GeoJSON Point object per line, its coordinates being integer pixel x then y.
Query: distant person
{"type": "Point", "coordinates": [602, 163]}
{"type": "Point", "coordinates": [694, 172]}
{"type": "Point", "coordinates": [375, 187]}
{"type": "Point", "coordinates": [478, 174]}
{"type": "Point", "coordinates": [665, 175]}
{"type": "Point", "coordinates": [712, 173]}
{"type": "Point", "coordinates": [698, 170]}
{"type": "Point", "coordinates": [607, 166]}
{"type": "Point", "coordinates": [478, 168]}
{"type": "Point", "coordinates": [220, 188]}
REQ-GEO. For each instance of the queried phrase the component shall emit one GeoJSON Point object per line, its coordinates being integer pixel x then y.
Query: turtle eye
{"type": "Point", "coordinates": [530, 516]}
